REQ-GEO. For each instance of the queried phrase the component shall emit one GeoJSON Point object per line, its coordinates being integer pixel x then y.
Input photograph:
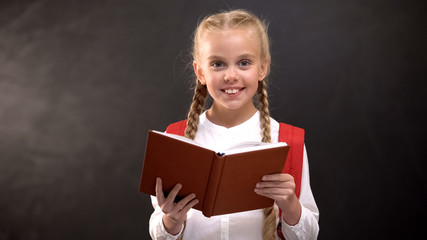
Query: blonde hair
{"type": "Point", "coordinates": [235, 19]}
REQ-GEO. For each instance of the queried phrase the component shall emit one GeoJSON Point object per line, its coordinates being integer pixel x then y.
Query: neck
{"type": "Point", "coordinates": [230, 117]}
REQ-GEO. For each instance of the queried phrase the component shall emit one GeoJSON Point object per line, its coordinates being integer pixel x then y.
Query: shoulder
{"type": "Point", "coordinates": [286, 132]}
{"type": "Point", "coordinates": [289, 133]}
{"type": "Point", "coordinates": [274, 125]}
{"type": "Point", "coordinates": [177, 127]}
{"type": "Point", "coordinates": [288, 127]}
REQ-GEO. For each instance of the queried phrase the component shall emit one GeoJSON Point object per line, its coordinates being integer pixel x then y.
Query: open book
{"type": "Point", "coordinates": [223, 182]}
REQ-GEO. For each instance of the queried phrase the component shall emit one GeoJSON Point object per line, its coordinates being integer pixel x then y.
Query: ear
{"type": "Point", "coordinates": [264, 69]}
{"type": "Point", "coordinates": [199, 73]}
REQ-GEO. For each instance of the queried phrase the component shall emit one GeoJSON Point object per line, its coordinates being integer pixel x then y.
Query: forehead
{"type": "Point", "coordinates": [230, 43]}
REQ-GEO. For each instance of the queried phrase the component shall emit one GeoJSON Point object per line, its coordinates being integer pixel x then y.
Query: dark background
{"type": "Point", "coordinates": [81, 82]}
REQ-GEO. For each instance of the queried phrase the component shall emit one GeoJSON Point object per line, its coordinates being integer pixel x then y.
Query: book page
{"type": "Point", "coordinates": [181, 138]}
{"type": "Point", "coordinates": [252, 146]}
{"type": "Point", "coordinates": [237, 148]}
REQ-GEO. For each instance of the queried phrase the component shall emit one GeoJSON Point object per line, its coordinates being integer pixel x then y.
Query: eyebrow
{"type": "Point", "coordinates": [247, 55]}
{"type": "Point", "coordinates": [214, 57]}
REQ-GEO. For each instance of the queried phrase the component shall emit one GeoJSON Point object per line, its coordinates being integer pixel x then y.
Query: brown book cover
{"type": "Point", "coordinates": [223, 182]}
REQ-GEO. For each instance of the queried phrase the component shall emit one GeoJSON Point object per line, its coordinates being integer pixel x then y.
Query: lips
{"type": "Point", "coordinates": [232, 91]}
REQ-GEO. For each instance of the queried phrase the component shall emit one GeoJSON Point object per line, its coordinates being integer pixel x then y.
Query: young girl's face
{"type": "Point", "coordinates": [230, 65]}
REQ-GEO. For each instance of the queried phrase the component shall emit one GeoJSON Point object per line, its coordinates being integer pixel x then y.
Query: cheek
{"type": "Point", "coordinates": [212, 86]}
{"type": "Point", "coordinates": [252, 77]}
{"type": "Point", "coordinates": [253, 91]}
{"type": "Point", "coordinates": [213, 79]}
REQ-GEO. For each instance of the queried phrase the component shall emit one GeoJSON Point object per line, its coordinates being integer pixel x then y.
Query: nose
{"type": "Point", "coordinates": [230, 74]}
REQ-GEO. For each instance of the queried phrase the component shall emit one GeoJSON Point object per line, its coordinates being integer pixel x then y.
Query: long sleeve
{"type": "Point", "coordinates": [156, 228]}
{"type": "Point", "coordinates": [308, 226]}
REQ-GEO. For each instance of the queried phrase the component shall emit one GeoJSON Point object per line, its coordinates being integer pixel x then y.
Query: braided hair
{"type": "Point", "coordinates": [235, 19]}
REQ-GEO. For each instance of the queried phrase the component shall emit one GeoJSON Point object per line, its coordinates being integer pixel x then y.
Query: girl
{"type": "Point", "coordinates": [231, 62]}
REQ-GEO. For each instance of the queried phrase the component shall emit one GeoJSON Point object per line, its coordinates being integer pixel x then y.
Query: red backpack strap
{"type": "Point", "coordinates": [177, 128]}
{"type": "Point", "coordinates": [294, 137]}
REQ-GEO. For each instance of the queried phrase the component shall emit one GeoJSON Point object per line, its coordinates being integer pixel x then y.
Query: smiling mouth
{"type": "Point", "coordinates": [232, 91]}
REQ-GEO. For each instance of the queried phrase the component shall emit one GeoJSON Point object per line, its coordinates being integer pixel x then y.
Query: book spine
{"type": "Point", "coordinates": [213, 184]}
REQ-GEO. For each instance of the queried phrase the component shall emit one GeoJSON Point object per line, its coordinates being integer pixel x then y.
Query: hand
{"type": "Point", "coordinates": [281, 188]}
{"type": "Point", "coordinates": [175, 214]}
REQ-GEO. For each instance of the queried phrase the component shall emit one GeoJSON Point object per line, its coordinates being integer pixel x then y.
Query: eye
{"type": "Point", "coordinates": [245, 63]}
{"type": "Point", "coordinates": [217, 64]}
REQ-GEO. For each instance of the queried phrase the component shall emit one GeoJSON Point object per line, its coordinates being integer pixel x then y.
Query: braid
{"type": "Point", "coordinates": [264, 112]}
{"type": "Point", "coordinates": [182, 233]}
{"type": "Point", "coordinates": [197, 106]}
{"type": "Point", "coordinates": [269, 229]}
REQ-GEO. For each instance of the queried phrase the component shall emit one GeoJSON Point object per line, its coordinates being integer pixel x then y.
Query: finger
{"type": "Point", "coordinates": [278, 177]}
{"type": "Point", "coordinates": [276, 197]}
{"type": "Point", "coordinates": [276, 184]}
{"type": "Point", "coordinates": [159, 191]}
{"type": "Point", "coordinates": [274, 191]}
{"type": "Point", "coordinates": [181, 204]}
{"type": "Point", "coordinates": [173, 193]}
{"type": "Point", "coordinates": [191, 204]}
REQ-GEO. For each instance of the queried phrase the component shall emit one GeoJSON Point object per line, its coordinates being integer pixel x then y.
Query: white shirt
{"type": "Point", "coordinates": [244, 225]}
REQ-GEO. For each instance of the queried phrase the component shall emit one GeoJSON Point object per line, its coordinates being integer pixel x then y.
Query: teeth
{"type": "Point", "coordinates": [231, 91]}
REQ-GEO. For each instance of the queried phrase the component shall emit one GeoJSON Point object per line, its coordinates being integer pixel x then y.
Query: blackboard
{"type": "Point", "coordinates": [81, 82]}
